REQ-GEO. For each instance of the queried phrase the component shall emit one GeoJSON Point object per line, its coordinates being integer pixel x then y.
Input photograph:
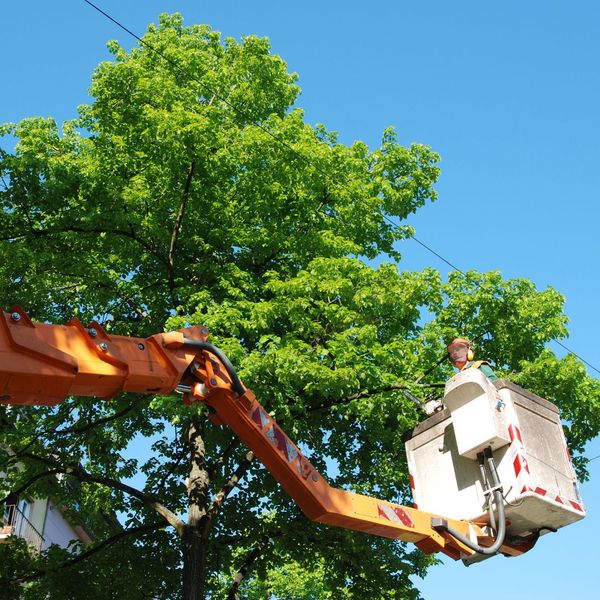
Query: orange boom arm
{"type": "Point", "coordinates": [42, 364]}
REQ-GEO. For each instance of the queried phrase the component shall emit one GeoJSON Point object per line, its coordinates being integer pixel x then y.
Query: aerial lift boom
{"type": "Point", "coordinates": [42, 364]}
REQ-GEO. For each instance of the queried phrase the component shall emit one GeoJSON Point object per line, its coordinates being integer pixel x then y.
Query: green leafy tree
{"type": "Point", "coordinates": [191, 191]}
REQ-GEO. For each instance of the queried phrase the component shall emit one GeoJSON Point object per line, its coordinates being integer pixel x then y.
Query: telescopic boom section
{"type": "Point", "coordinates": [317, 499]}
{"type": "Point", "coordinates": [42, 364]}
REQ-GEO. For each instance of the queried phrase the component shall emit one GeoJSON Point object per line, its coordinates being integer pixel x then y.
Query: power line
{"type": "Point", "coordinates": [463, 273]}
{"type": "Point", "coordinates": [305, 159]}
{"type": "Point", "coordinates": [576, 355]}
{"type": "Point", "coordinates": [436, 254]}
{"type": "Point", "coordinates": [210, 90]}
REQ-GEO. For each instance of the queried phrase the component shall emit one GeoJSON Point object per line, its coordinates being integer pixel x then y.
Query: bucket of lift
{"type": "Point", "coordinates": [525, 435]}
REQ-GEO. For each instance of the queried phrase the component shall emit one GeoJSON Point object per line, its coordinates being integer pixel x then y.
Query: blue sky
{"type": "Point", "coordinates": [507, 93]}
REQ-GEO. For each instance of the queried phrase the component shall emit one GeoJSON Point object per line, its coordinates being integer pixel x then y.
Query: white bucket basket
{"type": "Point", "coordinates": [529, 448]}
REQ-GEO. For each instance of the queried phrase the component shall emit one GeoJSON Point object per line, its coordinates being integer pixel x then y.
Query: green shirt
{"type": "Point", "coordinates": [484, 368]}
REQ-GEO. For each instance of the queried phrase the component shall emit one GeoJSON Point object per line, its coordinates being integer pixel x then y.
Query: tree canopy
{"type": "Point", "coordinates": [191, 190]}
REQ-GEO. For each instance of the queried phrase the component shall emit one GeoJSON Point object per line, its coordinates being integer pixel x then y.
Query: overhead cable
{"type": "Point", "coordinates": [210, 90]}
{"type": "Point", "coordinates": [479, 286]}
{"type": "Point", "coordinates": [305, 159]}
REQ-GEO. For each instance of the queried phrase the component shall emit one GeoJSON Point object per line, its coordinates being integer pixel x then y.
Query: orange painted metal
{"type": "Point", "coordinates": [316, 498]}
{"type": "Point", "coordinates": [43, 364]}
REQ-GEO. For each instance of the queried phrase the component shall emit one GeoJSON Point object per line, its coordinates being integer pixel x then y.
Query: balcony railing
{"type": "Point", "coordinates": [14, 523]}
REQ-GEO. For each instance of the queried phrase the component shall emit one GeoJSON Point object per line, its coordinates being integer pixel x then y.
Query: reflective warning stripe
{"type": "Point", "coordinates": [280, 440]}
{"type": "Point", "coordinates": [412, 487]}
{"type": "Point", "coordinates": [519, 463]}
{"type": "Point", "coordinates": [545, 493]}
{"type": "Point", "coordinates": [260, 417]}
{"type": "Point", "coordinates": [576, 506]}
{"type": "Point", "coordinates": [514, 433]}
{"type": "Point", "coordinates": [395, 514]}
{"type": "Point", "coordinates": [284, 444]}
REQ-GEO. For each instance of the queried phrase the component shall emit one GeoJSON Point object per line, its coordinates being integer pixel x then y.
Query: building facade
{"type": "Point", "coordinates": [39, 522]}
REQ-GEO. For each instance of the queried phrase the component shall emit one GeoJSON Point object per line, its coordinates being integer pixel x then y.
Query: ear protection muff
{"type": "Point", "coordinates": [470, 355]}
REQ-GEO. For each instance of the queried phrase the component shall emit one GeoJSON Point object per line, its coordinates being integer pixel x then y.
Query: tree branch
{"type": "Point", "coordinates": [362, 394]}
{"type": "Point", "coordinates": [28, 483]}
{"type": "Point", "coordinates": [135, 305]}
{"type": "Point", "coordinates": [172, 468]}
{"type": "Point", "coordinates": [115, 538]}
{"type": "Point", "coordinates": [80, 473]}
{"type": "Point", "coordinates": [92, 230]}
{"type": "Point", "coordinates": [228, 452]}
{"type": "Point", "coordinates": [124, 299]}
{"type": "Point", "coordinates": [75, 430]}
{"type": "Point", "coordinates": [246, 566]}
{"type": "Point", "coordinates": [93, 424]}
{"type": "Point", "coordinates": [85, 555]}
{"type": "Point", "coordinates": [218, 500]}
{"type": "Point", "coordinates": [177, 226]}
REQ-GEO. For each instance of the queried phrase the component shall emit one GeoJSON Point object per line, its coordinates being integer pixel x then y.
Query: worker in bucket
{"type": "Point", "coordinates": [461, 355]}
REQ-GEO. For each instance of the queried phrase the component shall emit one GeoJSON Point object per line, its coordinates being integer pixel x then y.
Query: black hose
{"type": "Point", "coordinates": [238, 388]}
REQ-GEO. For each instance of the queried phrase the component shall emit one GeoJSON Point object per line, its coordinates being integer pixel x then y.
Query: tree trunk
{"type": "Point", "coordinates": [194, 563]}
{"type": "Point", "coordinates": [194, 535]}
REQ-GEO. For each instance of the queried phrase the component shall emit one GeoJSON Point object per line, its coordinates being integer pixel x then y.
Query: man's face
{"type": "Point", "coordinates": [458, 355]}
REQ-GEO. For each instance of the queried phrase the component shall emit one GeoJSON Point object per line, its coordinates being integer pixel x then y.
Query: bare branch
{"type": "Point", "coordinates": [135, 305]}
{"type": "Point", "coordinates": [115, 538]}
{"type": "Point", "coordinates": [28, 483]}
{"type": "Point", "coordinates": [131, 234]}
{"type": "Point", "coordinates": [80, 473]}
{"type": "Point", "coordinates": [227, 453]}
{"type": "Point", "coordinates": [362, 394]}
{"type": "Point", "coordinates": [18, 453]}
{"type": "Point", "coordinates": [125, 299]}
{"type": "Point", "coordinates": [93, 424]}
{"type": "Point", "coordinates": [76, 430]}
{"type": "Point", "coordinates": [171, 470]}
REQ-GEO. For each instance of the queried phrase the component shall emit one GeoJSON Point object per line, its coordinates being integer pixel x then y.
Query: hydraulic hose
{"type": "Point", "coordinates": [499, 501]}
{"type": "Point", "coordinates": [486, 487]}
{"type": "Point", "coordinates": [237, 386]}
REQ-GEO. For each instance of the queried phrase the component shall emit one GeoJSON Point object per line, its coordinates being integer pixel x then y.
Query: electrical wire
{"type": "Point", "coordinates": [576, 355]}
{"type": "Point", "coordinates": [479, 287]}
{"type": "Point", "coordinates": [305, 159]}
{"type": "Point", "coordinates": [428, 248]}
{"type": "Point", "coordinates": [209, 89]}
